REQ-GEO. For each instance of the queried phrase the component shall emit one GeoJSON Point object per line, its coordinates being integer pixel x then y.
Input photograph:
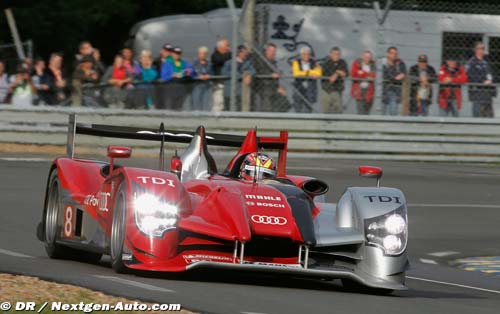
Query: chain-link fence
{"type": "Point", "coordinates": [447, 61]}
{"type": "Point", "coordinates": [426, 33]}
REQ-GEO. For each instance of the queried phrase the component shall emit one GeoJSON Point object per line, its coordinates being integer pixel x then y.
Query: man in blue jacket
{"type": "Point", "coordinates": [481, 92]}
{"type": "Point", "coordinates": [175, 71]}
{"type": "Point", "coordinates": [176, 67]}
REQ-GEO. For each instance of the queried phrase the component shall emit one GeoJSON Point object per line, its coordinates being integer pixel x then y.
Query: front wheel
{"type": "Point", "coordinates": [118, 231]}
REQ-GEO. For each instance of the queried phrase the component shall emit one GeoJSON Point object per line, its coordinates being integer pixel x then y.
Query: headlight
{"type": "Point", "coordinates": [152, 216]}
{"type": "Point", "coordinates": [388, 232]}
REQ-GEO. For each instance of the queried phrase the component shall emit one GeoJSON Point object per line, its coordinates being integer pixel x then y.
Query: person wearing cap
{"type": "Point", "coordinates": [394, 73]}
{"type": "Point", "coordinates": [164, 56]}
{"type": "Point", "coordinates": [481, 93]}
{"type": "Point", "coordinates": [244, 71]}
{"type": "Point", "coordinates": [422, 75]}
{"type": "Point", "coordinates": [176, 67]}
{"type": "Point", "coordinates": [451, 76]}
{"type": "Point", "coordinates": [175, 71]}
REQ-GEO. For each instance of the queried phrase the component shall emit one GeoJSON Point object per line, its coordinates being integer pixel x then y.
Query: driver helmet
{"type": "Point", "coordinates": [259, 166]}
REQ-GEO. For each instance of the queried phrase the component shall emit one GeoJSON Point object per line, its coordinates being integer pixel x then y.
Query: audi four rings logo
{"type": "Point", "coordinates": [269, 220]}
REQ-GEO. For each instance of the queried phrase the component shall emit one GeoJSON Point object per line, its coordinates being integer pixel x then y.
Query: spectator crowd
{"type": "Point", "coordinates": [170, 80]}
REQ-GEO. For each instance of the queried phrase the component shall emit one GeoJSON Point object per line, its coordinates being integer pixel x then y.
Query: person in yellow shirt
{"type": "Point", "coordinates": [306, 72]}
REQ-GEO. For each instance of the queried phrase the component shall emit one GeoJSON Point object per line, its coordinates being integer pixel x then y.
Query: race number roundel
{"type": "Point", "coordinates": [68, 221]}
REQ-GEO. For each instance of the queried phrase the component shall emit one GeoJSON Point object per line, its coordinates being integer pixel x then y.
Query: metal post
{"type": "Point", "coordinates": [15, 34]}
{"type": "Point", "coordinates": [248, 33]}
{"type": "Point", "coordinates": [380, 43]}
{"type": "Point", "coordinates": [29, 48]}
{"type": "Point", "coordinates": [242, 252]}
{"type": "Point", "coordinates": [306, 257]}
{"type": "Point", "coordinates": [234, 45]}
{"type": "Point", "coordinates": [70, 144]}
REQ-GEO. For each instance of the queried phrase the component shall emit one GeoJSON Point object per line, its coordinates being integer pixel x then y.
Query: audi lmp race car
{"type": "Point", "coordinates": [193, 216]}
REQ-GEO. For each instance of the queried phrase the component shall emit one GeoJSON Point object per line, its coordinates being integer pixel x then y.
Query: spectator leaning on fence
{"type": "Point", "coordinates": [422, 75]}
{"type": "Point", "coordinates": [480, 74]}
{"type": "Point", "coordinates": [164, 56]}
{"type": "Point", "coordinates": [128, 59]}
{"type": "Point", "coordinates": [451, 76]}
{"type": "Point", "coordinates": [84, 80]}
{"type": "Point", "coordinates": [56, 81]}
{"type": "Point", "coordinates": [305, 70]}
{"type": "Point", "coordinates": [177, 71]}
{"type": "Point", "coordinates": [4, 83]}
{"type": "Point", "coordinates": [363, 73]}
{"type": "Point", "coordinates": [394, 72]}
{"type": "Point", "coordinates": [244, 74]}
{"type": "Point", "coordinates": [200, 97]}
{"type": "Point", "coordinates": [336, 69]}
{"type": "Point", "coordinates": [219, 58]}
{"type": "Point", "coordinates": [145, 74]}
{"type": "Point", "coordinates": [176, 67]}
{"type": "Point", "coordinates": [119, 79]}
{"type": "Point", "coordinates": [269, 95]}
{"type": "Point", "coordinates": [22, 89]}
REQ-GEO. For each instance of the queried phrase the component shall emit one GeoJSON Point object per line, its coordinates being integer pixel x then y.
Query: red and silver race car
{"type": "Point", "coordinates": [193, 216]}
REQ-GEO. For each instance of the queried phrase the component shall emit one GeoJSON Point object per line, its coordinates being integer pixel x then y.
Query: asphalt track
{"type": "Point", "coordinates": [454, 212]}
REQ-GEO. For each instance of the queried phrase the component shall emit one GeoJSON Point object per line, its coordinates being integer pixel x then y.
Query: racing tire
{"type": "Point", "coordinates": [118, 231]}
{"type": "Point", "coordinates": [354, 286]}
{"type": "Point", "coordinates": [50, 226]}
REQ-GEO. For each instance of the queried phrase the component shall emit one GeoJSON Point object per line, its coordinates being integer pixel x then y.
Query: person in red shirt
{"type": "Point", "coordinates": [363, 72]}
{"type": "Point", "coordinates": [119, 79]}
{"type": "Point", "coordinates": [451, 76]}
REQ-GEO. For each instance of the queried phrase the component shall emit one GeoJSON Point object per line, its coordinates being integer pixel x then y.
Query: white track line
{"type": "Point", "coordinates": [252, 313]}
{"type": "Point", "coordinates": [443, 254]}
{"type": "Point", "coordinates": [453, 284]}
{"type": "Point", "coordinates": [29, 159]}
{"type": "Point", "coordinates": [15, 254]}
{"type": "Point", "coordinates": [455, 205]}
{"type": "Point", "coordinates": [134, 283]}
{"type": "Point", "coordinates": [428, 261]}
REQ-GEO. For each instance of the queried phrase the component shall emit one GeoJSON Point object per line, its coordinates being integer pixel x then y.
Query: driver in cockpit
{"type": "Point", "coordinates": [258, 166]}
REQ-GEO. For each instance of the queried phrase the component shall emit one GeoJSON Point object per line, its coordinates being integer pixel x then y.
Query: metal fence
{"type": "Point", "coordinates": [440, 30]}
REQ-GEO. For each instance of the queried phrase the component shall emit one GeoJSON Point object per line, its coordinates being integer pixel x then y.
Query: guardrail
{"type": "Point", "coordinates": [313, 135]}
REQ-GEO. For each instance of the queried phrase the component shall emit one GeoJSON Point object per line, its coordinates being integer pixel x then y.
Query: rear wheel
{"type": "Point", "coordinates": [51, 216]}
{"type": "Point", "coordinates": [355, 286]}
{"type": "Point", "coordinates": [118, 232]}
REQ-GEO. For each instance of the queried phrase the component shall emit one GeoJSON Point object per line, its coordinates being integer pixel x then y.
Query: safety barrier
{"type": "Point", "coordinates": [314, 135]}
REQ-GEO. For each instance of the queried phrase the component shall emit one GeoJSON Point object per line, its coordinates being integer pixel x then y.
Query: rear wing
{"type": "Point", "coordinates": [170, 136]}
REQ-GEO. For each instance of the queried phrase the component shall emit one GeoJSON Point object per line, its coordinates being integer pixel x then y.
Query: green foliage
{"type": "Point", "coordinates": [60, 25]}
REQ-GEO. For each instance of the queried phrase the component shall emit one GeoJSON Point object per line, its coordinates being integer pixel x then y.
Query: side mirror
{"type": "Point", "coordinates": [176, 165]}
{"type": "Point", "coordinates": [117, 152]}
{"type": "Point", "coordinates": [371, 172]}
